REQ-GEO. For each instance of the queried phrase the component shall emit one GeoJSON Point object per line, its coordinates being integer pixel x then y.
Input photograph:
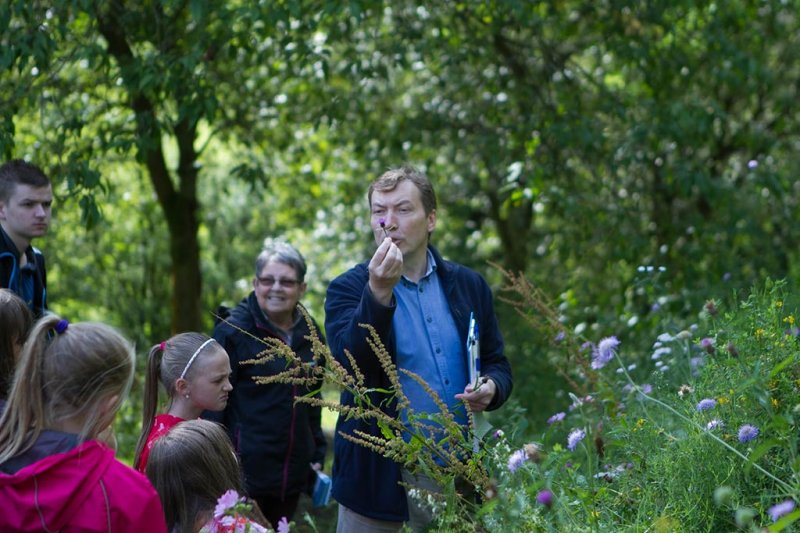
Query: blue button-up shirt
{"type": "Point", "coordinates": [428, 344]}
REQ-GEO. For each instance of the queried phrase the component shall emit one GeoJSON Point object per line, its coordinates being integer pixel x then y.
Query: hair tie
{"type": "Point", "coordinates": [194, 355]}
{"type": "Point", "coordinates": [61, 326]}
{"type": "Point", "coordinates": [162, 346]}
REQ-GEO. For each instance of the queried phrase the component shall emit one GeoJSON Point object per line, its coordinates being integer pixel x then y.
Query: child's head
{"type": "Point", "coordinates": [17, 320]}
{"type": "Point", "coordinates": [190, 467]}
{"type": "Point", "coordinates": [194, 370]}
{"type": "Point", "coordinates": [68, 375]}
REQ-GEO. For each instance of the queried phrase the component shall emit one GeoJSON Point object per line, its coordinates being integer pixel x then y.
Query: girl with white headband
{"type": "Point", "coordinates": [194, 370]}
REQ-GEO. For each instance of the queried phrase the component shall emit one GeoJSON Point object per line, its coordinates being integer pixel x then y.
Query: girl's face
{"type": "Point", "coordinates": [209, 384]}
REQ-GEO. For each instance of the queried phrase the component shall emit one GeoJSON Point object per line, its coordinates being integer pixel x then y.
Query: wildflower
{"type": "Point", "coordinates": [283, 526]}
{"type": "Point", "coordinates": [516, 460]}
{"type": "Point", "coordinates": [226, 502]}
{"type": "Point", "coordinates": [499, 434]}
{"type": "Point", "coordinates": [604, 352]}
{"type": "Point", "coordinates": [558, 417]}
{"type": "Point", "coordinates": [723, 495]}
{"type": "Point", "coordinates": [545, 497]}
{"type": "Point", "coordinates": [775, 402]}
{"type": "Point", "coordinates": [747, 433]}
{"type": "Point", "coordinates": [646, 388]}
{"type": "Point", "coordinates": [586, 345]}
{"type": "Point", "coordinates": [665, 337]}
{"type": "Point", "coordinates": [752, 164]}
{"type": "Point", "coordinates": [658, 352]}
{"type": "Point", "coordinates": [683, 335]}
{"type": "Point", "coordinates": [684, 390]}
{"type": "Point", "coordinates": [783, 508]}
{"type": "Point", "coordinates": [711, 308]}
{"type": "Point", "coordinates": [715, 424]}
{"type": "Point", "coordinates": [789, 319]}
{"type": "Point", "coordinates": [575, 436]}
{"type": "Point", "coordinates": [706, 404]}
{"type": "Point", "coordinates": [708, 345]}
{"type": "Point", "coordinates": [760, 333]}
{"type": "Point", "coordinates": [532, 451]}
{"type": "Point", "coordinates": [560, 337]}
{"type": "Point", "coordinates": [732, 351]}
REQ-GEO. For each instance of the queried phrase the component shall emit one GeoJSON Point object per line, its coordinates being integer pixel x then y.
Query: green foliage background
{"type": "Point", "coordinates": [630, 158]}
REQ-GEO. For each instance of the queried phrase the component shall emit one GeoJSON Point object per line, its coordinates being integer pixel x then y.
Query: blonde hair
{"type": "Point", "coordinates": [17, 320]}
{"type": "Point", "coordinates": [190, 467]}
{"type": "Point", "coordinates": [165, 363]}
{"type": "Point", "coordinates": [64, 376]}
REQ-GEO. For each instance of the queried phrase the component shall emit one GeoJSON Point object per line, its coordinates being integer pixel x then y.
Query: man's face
{"type": "Point", "coordinates": [278, 290]}
{"type": "Point", "coordinates": [404, 218]}
{"type": "Point", "coordinates": [26, 214]}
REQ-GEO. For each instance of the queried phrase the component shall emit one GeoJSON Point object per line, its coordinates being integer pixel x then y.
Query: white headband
{"type": "Point", "coordinates": [193, 357]}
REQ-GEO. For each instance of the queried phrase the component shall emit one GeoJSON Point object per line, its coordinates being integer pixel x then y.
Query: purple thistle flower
{"type": "Point", "coordinates": [707, 344]}
{"type": "Point", "coordinates": [575, 436]}
{"type": "Point", "coordinates": [706, 404]}
{"type": "Point", "coordinates": [780, 509]}
{"type": "Point", "coordinates": [558, 417]}
{"type": "Point", "coordinates": [604, 352]}
{"type": "Point", "coordinates": [516, 460]}
{"type": "Point", "coordinates": [545, 497]}
{"type": "Point", "coordinates": [747, 433]}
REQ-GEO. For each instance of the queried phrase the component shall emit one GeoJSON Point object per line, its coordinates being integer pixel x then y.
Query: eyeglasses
{"type": "Point", "coordinates": [269, 281]}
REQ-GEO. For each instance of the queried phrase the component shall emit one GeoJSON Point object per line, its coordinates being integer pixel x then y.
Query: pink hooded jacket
{"type": "Point", "coordinates": [83, 490]}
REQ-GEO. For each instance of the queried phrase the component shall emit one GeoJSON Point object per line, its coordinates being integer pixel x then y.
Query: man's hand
{"type": "Point", "coordinates": [385, 269]}
{"type": "Point", "coordinates": [480, 398]}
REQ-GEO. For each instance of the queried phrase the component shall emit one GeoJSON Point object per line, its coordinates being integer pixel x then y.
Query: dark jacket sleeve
{"type": "Point", "coordinates": [494, 363]}
{"type": "Point", "coordinates": [348, 304]}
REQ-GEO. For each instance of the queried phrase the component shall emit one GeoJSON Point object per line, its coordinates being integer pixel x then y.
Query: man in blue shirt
{"type": "Point", "coordinates": [26, 198]}
{"type": "Point", "coordinates": [420, 305]}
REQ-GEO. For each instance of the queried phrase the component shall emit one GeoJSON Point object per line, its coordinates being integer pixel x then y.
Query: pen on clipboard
{"type": "Point", "coordinates": [474, 353]}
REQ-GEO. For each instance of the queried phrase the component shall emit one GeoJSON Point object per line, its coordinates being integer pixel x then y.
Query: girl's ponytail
{"type": "Point", "coordinates": [152, 377]}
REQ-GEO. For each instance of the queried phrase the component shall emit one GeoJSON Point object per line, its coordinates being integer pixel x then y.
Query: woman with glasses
{"type": "Point", "coordinates": [280, 442]}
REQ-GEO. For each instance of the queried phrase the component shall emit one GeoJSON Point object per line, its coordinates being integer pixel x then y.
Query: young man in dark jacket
{"type": "Point", "coordinates": [280, 442]}
{"type": "Point", "coordinates": [26, 197]}
{"type": "Point", "coordinates": [420, 305]}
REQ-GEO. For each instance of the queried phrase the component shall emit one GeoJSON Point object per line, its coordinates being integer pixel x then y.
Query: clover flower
{"type": "Point", "coordinates": [604, 352]}
{"type": "Point", "coordinates": [558, 417]}
{"type": "Point", "coordinates": [706, 404]}
{"type": "Point", "coordinates": [516, 460]}
{"type": "Point", "coordinates": [778, 510]}
{"type": "Point", "coordinates": [575, 437]}
{"type": "Point", "coordinates": [545, 497]}
{"type": "Point", "coordinates": [747, 433]}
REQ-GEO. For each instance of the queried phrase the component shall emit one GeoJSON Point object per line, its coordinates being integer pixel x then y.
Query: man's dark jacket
{"type": "Point", "coordinates": [363, 480]}
{"type": "Point", "coordinates": [275, 437]}
{"type": "Point", "coordinates": [9, 271]}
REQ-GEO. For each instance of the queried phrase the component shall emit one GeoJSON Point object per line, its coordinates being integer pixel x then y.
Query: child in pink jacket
{"type": "Point", "coordinates": [54, 473]}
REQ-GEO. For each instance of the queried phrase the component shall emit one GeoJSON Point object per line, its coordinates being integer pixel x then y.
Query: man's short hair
{"type": "Point", "coordinates": [19, 172]}
{"type": "Point", "coordinates": [283, 252]}
{"type": "Point", "coordinates": [390, 179]}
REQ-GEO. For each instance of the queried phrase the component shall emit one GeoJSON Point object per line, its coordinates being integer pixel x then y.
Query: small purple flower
{"type": "Point", "coordinates": [747, 433]}
{"type": "Point", "coordinates": [499, 434]}
{"type": "Point", "coordinates": [706, 404]}
{"type": "Point", "coordinates": [545, 497]}
{"type": "Point", "coordinates": [646, 388]}
{"type": "Point", "coordinates": [560, 336]}
{"type": "Point", "coordinates": [715, 424]}
{"type": "Point", "coordinates": [283, 526]}
{"type": "Point", "coordinates": [516, 460]}
{"type": "Point", "coordinates": [604, 352]}
{"type": "Point", "coordinates": [707, 344]}
{"type": "Point", "coordinates": [778, 510]}
{"type": "Point", "coordinates": [575, 436]}
{"type": "Point", "coordinates": [558, 417]}
{"type": "Point", "coordinates": [225, 502]}
{"type": "Point", "coordinates": [752, 164]}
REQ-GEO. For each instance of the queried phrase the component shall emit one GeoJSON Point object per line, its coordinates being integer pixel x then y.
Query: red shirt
{"type": "Point", "coordinates": [161, 426]}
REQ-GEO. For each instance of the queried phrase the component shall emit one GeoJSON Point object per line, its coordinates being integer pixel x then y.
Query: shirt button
{"type": "Point", "coordinates": [420, 289]}
{"type": "Point", "coordinates": [447, 382]}
{"type": "Point", "coordinates": [430, 319]}
{"type": "Point", "coordinates": [438, 350]}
